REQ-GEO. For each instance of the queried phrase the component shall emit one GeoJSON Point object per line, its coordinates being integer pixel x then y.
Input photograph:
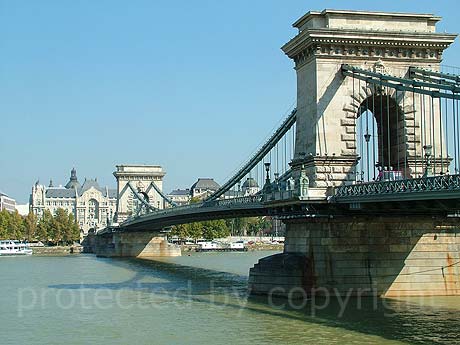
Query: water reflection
{"type": "Point", "coordinates": [212, 294]}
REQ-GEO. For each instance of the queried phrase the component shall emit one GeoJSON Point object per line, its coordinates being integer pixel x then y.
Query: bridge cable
{"type": "Point", "coordinates": [360, 119]}
{"type": "Point", "coordinates": [432, 135]}
{"type": "Point", "coordinates": [374, 120]}
{"type": "Point", "coordinates": [455, 135]}
{"type": "Point", "coordinates": [406, 147]}
{"type": "Point", "coordinates": [415, 132]}
{"type": "Point", "coordinates": [397, 130]}
{"type": "Point", "coordinates": [382, 129]}
{"type": "Point", "coordinates": [422, 128]}
{"type": "Point", "coordinates": [287, 124]}
{"type": "Point", "coordinates": [367, 131]}
{"type": "Point", "coordinates": [388, 131]}
{"type": "Point", "coordinates": [446, 126]}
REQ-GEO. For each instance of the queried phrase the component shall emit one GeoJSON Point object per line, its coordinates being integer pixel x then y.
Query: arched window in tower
{"type": "Point", "coordinates": [93, 209]}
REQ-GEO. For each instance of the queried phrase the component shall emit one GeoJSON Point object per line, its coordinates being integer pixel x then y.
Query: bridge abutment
{"type": "Point", "coordinates": [362, 256]}
{"type": "Point", "coordinates": [135, 244]}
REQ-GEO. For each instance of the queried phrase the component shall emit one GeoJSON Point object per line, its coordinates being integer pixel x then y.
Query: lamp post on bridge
{"type": "Point", "coordinates": [267, 185]}
{"type": "Point", "coordinates": [427, 149]}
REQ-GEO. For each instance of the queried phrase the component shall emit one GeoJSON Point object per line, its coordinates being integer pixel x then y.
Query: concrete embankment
{"type": "Point", "coordinates": [252, 247]}
{"type": "Point", "coordinates": [57, 250]}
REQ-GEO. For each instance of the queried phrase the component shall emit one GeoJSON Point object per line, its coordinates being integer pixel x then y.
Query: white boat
{"type": "Point", "coordinates": [11, 247]}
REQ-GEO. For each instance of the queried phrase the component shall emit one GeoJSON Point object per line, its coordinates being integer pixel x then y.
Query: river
{"type": "Point", "coordinates": [195, 299]}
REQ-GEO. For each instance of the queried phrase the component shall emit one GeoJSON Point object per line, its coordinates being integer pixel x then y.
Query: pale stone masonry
{"type": "Point", "coordinates": [140, 176]}
{"type": "Point", "coordinates": [328, 103]}
{"type": "Point", "coordinates": [384, 256]}
{"type": "Point", "coordinates": [380, 253]}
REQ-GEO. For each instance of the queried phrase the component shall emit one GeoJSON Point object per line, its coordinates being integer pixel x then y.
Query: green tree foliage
{"type": "Point", "coordinates": [251, 226]}
{"type": "Point", "coordinates": [209, 230]}
{"type": "Point", "coordinates": [16, 226]}
{"type": "Point", "coordinates": [192, 230]}
{"type": "Point", "coordinates": [30, 226]}
{"type": "Point", "coordinates": [4, 224]}
{"type": "Point", "coordinates": [58, 229]}
{"type": "Point", "coordinates": [11, 225]}
{"type": "Point", "coordinates": [195, 230]}
{"type": "Point", "coordinates": [44, 226]}
{"type": "Point", "coordinates": [215, 229]}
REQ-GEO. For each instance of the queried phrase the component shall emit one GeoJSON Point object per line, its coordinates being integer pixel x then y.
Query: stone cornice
{"type": "Point", "coordinates": [350, 44]}
{"type": "Point", "coordinates": [125, 174]}
{"type": "Point", "coordinates": [317, 37]}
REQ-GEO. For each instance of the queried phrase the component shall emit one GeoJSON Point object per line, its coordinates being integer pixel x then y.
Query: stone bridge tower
{"type": "Point", "coordinates": [377, 252]}
{"type": "Point", "coordinates": [140, 176]}
{"type": "Point", "coordinates": [328, 104]}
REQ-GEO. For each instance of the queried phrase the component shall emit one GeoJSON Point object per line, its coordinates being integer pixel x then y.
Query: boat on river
{"type": "Point", "coordinates": [237, 246]}
{"type": "Point", "coordinates": [13, 247]}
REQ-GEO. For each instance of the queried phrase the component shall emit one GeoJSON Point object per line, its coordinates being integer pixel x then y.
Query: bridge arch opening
{"type": "Point", "coordinates": [380, 138]}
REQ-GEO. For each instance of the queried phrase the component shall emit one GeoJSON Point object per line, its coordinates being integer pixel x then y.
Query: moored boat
{"type": "Point", "coordinates": [13, 247]}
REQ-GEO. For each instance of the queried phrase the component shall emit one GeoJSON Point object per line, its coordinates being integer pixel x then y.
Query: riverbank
{"type": "Point", "coordinates": [251, 247]}
{"type": "Point", "coordinates": [57, 250]}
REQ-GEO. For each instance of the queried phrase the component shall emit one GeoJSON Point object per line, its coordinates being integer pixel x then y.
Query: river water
{"type": "Point", "coordinates": [196, 299]}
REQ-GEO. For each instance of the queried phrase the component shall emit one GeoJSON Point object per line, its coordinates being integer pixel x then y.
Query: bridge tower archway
{"type": "Point", "coordinates": [328, 101]}
{"type": "Point", "coordinates": [380, 137]}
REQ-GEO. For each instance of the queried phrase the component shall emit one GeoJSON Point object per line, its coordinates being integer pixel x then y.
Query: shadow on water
{"type": "Point", "coordinates": [412, 320]}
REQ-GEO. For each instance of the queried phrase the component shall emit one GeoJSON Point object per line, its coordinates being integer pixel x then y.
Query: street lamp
{"type": "Point", "coordinates": [367, 137]}
{"type": "Point", "coordinates": [427, 149]}
{"type": "Point", "coordinates": [277, 183]}
{"type": "Point", "coordinates": [267, 186]}
{"type": "Point", "coordinates": [267, 170]}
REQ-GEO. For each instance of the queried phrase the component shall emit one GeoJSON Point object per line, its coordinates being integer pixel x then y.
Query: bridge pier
{"type": "Point", "coordinates": [363, 256]}
{"type": "Point", "coordinates": [134, 244]}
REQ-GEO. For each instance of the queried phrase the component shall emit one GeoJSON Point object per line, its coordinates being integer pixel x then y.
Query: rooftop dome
{"type": "Point", "coordinates": [73, 182]}
{"type": "Point", "coordinates": [250, 183]}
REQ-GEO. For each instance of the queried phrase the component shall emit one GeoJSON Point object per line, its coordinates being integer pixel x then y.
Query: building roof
{"type": "Point", "coordinates": [205, 183]}
{"type": "Point", "coordinates": [180, 192]}
{"type": "Point", "coordinates": [60, 192]}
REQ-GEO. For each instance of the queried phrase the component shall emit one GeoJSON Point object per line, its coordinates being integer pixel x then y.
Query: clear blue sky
{"type": "Point", "coordinates": [194, 86]}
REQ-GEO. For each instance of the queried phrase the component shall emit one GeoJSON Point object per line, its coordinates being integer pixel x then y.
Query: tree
{"type": "Point", "coordinates": [17, 226]}
{"type": "Point", "coordinates": [4, 224]}
{"type": "Point", "coordinates": [30, 226]}
{"type": "Point", "coordinates": [180, 231]}
{"type": "Point", "coordinates": [44, 227]}
{"type": "Point", "coordinates": [256, 225]}
{"type": "Point", "coordinates": [74, 230]}
{"type": "Point", "coordinates": [215, 229]}
{"type": "Point", "coordinates": [195, 230]}
{"type": "Point", "coordinates": [192, 230]}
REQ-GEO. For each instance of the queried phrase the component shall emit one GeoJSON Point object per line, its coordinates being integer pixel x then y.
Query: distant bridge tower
{"type": "Point", "coordinates": [329, 105]}
{"type": "Point", "coordinates": [141, 177]}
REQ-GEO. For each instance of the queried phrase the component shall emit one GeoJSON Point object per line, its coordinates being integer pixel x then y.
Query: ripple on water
{"type": "Point", "coordinates": [193, 300]}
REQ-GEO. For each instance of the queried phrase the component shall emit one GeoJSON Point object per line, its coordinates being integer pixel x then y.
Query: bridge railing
{"type": "Point", "coordinates": [423, 184]}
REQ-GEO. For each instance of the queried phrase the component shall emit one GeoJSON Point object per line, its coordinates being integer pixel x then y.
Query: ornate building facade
{"type": "Point", "coordinates": [92, 206]}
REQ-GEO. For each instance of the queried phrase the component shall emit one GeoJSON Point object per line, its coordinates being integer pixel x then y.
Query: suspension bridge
{"type": "Point", "coordinates": [365, 172]}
